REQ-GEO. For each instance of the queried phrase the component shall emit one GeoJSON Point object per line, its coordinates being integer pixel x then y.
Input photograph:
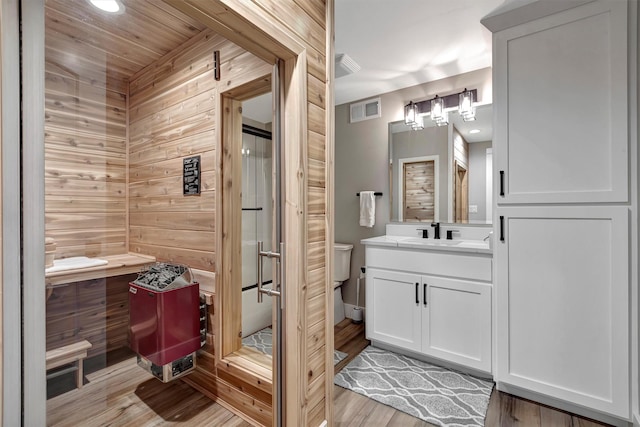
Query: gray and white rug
{"type": "Point", "coordinates": [434, 394]}
{"type": "Point", "coordinates": [263, 341]}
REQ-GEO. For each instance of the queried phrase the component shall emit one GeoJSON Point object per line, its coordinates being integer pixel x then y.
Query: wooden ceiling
{"type": "Point", "coordinates": [110, 48]}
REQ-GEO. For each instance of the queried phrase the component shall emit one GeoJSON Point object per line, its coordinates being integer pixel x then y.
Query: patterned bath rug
{"type": "Point", "coordinates": [338, 356]}
{"type": "Point", "coordinates": [434, 394]}
{"type": "Point", "coordinates": [263, 342]}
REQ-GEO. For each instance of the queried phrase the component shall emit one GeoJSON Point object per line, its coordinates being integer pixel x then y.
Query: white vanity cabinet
{"type": "Point", "coordinates": [562, 174]}
{"type": "Point", "coordinates": [434, 306]}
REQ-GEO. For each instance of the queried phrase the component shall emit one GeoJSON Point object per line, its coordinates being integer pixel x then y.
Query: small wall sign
{"type": "Point", "coordinates": [191, 176]}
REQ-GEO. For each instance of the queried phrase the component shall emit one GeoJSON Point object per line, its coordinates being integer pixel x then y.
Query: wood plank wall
{"type": "Point", "coordinates": [89, 59]}
{"type": "Point", "coordinates": [172, 115]}
{"type": "Point", "coordinates": [85, 163]}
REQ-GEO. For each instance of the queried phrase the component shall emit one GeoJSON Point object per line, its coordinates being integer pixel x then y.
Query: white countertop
{"type": "Point", "coordinates": [456, 245]}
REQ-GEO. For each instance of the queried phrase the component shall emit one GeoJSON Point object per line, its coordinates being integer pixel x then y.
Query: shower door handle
{"type": "Point", "coordinates": [280, 272]}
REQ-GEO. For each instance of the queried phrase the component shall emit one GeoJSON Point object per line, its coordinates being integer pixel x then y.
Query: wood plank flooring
{"type": "Point", "coordinates": [122, 394]}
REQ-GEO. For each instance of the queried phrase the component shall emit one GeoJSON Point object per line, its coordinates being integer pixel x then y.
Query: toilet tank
{"type": "Point", "coordinates": [342, 261]}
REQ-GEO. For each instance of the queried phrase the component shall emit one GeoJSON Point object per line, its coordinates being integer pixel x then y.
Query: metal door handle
{"type": "Point", "coordinates": [501, 228]}
{"type": "Point", "coordinates": [279, 273]}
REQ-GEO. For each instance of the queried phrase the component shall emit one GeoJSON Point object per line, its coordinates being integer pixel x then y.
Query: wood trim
{"type": "Point", "coordinates": [127, 222]}
{"type": "Point", "coordinates": [230, 267]}
{"type": "Point", "coordinates": [294, 235]}
{"type": "Point", "coordinates": [329, 210]}
{"type": "Point", "coordinates": [226, 24]}
{"type": "Point", "coordinates": [230, 397]}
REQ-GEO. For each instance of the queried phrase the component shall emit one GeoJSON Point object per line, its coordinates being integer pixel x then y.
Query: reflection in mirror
{"type": "Point", "coordinates": [442, 173]}
{"type": "Point", "coordinates": [257, 220]}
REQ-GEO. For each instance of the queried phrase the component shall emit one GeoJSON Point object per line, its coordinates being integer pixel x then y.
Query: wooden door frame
{"type": "Point", "coordinates": [228, 301]}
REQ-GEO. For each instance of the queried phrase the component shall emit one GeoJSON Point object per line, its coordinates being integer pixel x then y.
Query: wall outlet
{"type": "Point", "coordinates": [473, 208]}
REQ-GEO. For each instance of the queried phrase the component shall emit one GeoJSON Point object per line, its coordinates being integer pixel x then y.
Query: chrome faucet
{"type": "Point", "coordinates": [436, 232]}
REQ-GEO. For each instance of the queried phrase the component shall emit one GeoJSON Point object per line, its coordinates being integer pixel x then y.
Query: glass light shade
{"type": "Point", "coordinates": [419, 123]}
{"type": "Point", "coordinates": [443, 120]}
{"type": "Point", "coordinates": [465, 106]}
{"type": "Point", "coordinates": [410, 113]}
{"type": "Point", "coordinates": [437, 109]}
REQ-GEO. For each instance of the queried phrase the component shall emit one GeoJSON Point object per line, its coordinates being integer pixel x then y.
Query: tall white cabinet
{"type": "Point", "coordinates": [563, 202]}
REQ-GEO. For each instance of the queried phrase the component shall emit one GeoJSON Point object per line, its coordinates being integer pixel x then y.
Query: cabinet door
{"type": "Point", "coordinates": [560, 106]}
{"type": "Point", "coordinates": [393, 308]}
{"type": "Point", "coordinates": [563, 304]}
{"type": "Point", "coordinates": [457, 321]}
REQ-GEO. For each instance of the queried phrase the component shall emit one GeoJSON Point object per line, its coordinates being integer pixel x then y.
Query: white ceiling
{"type": "Point", "coordinates": [402, 43]}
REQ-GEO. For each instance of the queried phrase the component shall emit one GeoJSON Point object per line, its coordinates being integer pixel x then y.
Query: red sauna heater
{"type": "Point", "coordinates": [164, 320]}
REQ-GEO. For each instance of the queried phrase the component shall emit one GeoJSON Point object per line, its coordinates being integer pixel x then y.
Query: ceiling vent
{"type": "Point", "coordinates": [345, 65]}
{"type": "Point", "coordinates": [365, 110]}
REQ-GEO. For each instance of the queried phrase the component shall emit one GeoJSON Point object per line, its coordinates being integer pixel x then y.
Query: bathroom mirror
{"type": "Point", "coordinates": [442, 173]}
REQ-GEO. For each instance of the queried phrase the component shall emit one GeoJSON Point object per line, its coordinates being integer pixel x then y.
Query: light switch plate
{"type": "Point", "coordinates": [473, 208]}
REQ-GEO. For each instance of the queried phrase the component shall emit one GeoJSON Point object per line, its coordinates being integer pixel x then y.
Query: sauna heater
{"type": "Point", "coordinates": [164, 320]}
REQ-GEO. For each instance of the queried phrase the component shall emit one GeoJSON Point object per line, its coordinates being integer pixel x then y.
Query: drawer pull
{"type": "Point", "coordinates": [501, 228]}
{"type": "Point", "coordinates": [501, 183]}
{"type": "Point", "coordinates": [417, 293]}
{"type": "Point", "coordinates": [424, 294]}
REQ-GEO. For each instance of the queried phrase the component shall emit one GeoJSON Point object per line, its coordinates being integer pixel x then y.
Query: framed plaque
{"type": "Point", "coordinates": [191, 176]}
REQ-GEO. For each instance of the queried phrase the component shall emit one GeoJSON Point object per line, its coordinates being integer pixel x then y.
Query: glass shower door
{"type": "Point", "coordinates": [257, 225]}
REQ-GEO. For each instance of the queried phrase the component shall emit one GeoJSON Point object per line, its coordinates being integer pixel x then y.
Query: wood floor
{"type": "Point", "coordinates": [122, 394]}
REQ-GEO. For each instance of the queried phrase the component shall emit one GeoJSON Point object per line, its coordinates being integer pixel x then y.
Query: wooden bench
{"type": "Point", "coordinates": [72, 353]}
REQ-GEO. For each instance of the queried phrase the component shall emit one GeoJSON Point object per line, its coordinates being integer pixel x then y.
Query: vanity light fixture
{"type": "Point", "coordinates": [465, 105]}
{"type": "Point", "coordinates": [109, 6]}
{"type": "Point", "coordinates": [410, 113]}
{"type": "Point", "coordinates": [438, 108]}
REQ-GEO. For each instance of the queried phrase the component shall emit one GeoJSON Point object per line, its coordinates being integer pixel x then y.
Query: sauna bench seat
{"type": "Point", "coordinates": [73, 353]}
{"type": "Point", "coordinates": [117, 265]}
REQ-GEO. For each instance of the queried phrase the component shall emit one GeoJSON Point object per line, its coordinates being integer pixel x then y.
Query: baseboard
{"type": "Point", "coordinates": [562, 405]}
{"type": "Point", "coordinates": [348, 310]}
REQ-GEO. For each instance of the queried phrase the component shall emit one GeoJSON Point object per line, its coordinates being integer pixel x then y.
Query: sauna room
{"type": "Point", "coordinates": [147, 111]}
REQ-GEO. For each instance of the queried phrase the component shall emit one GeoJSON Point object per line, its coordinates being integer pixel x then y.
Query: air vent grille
{"type": "Point", "coordinates": [365, 110]}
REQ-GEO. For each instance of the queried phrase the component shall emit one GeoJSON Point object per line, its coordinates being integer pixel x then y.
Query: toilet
{"type": "Point", "coordinates": [341, 271]}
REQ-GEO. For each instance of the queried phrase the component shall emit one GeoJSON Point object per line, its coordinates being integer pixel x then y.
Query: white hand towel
{"type": "Point", "coordinates": [367, 208]}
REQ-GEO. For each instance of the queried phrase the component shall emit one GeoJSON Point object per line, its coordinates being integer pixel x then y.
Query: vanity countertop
{"type": "Point", "coordinates": [456, 245]}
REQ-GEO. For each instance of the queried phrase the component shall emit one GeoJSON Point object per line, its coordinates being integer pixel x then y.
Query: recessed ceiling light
{"type": "Point", "coordinates": [110, 6]}
{"type": "Point", "coordinates": [472, 131]}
